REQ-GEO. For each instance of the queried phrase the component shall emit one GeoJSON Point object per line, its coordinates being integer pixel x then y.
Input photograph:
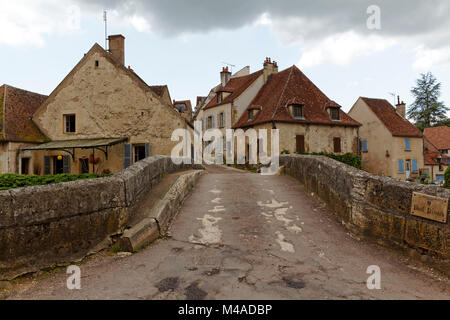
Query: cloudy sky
{"type": "Point", "coordinates": [339, 44]}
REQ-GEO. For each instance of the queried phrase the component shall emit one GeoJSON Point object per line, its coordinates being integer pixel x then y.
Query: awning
{"type": "Point", "coordinates": [69, 146]}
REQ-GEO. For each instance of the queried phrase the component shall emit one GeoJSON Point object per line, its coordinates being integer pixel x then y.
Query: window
{"type": "Point", "coordinates": [300, 144]}
{"type": "Point", "coordinates": [96, 63]}
{"type": "Point", "coordinates": [222, 120]}
{"type": "Point", "coordinates": [219, 97]}
{"type": "Point", "coordinates": [251, 115]}
{"type": "Point", "coordinates": [337, 145]}
{"type": "Point", "coordinates": [364, 146]}
{"type": "Point", "coordinates": [69, 123]}
{"type": "Point", "coordinates": [180, 107]}
{"type": "Point", "coordinates": [297, 111]}
{"type": "Point", "coordinates": [407, 144]}
{"type": "Point", "coordinates": [335, 114]}
{"type": "Point", "coordinates": [210, 122]}
{"type": "Point", "coordinates": [140, 152]}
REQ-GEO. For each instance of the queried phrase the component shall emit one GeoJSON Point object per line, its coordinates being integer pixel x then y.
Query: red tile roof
{"type": "Point", "coordinates": [236, 86]}
{"type": "Point", "coordinates": [288, 87]}
{"type": "Point", "coordinates": [20, 106]}
{"type": "Point", "coordinates": [439, 137]}
{"type": "Point", "coordinates": [396, 124]}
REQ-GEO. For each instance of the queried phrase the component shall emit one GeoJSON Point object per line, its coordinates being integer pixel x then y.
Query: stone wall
{"type": "Point", "coordinates": [372, 206]}
{"type": "Point", "coordinates": [51, 225]}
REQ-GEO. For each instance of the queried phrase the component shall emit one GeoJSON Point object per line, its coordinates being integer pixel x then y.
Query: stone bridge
{"type": "Point", "coordinates": [241, 235]}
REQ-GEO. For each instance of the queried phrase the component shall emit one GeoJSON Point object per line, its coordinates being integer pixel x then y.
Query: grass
{"type": "Point", "coordinates": [12, 181]}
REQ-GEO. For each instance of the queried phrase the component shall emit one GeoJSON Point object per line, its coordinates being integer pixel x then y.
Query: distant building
{"type": "Point", "coordinates": [390, 145]}
{"type": "Point", "coordinates": [440, 138]}
{"type": "Point", "coordinates": [435, 162]}
{"type": "Point", "coordinates": [307, 119]}
{"type": "Point", "coordinates": [17, 130]}
{"type": "Point", "coordinates": [184, 107]}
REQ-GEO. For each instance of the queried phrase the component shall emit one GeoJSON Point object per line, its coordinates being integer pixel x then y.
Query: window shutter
{"type": "Point", "coordinates": [401, 167]}
{"type": "Point", "coordinates": [218, 121]}
{"type": "Point", "coordinates": [364, 146]}
{"type": "Point", "coordinates": [212, 122]}
{"type": "Point", "coordinates": [223, 119]}
{"type": "Point", "coordinates": [126, 155]}
{"type": "Point", "coordinates": [46, 165]}
{"type": "Point", "coordinates": [407, 144]}
{"type": "Point", "coordinates": [415, 166]}
{"type": "Point", "coordinates": [66, 164]}
{"type": "Point", "coordinates": [147, 150]}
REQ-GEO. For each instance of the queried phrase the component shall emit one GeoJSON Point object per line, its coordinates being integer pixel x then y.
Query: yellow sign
{"type": "Point", "coordinates": [429, 207]}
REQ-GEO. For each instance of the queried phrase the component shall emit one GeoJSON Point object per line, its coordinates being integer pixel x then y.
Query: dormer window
{"type": "Point", "coordinates": [296, 111]}
{"type": "Point", "coordinates": [219, 97]}
{"type": "Point", "coordinates": [335, 115]}
{"type": "Point", "coordinates": [251, 114]}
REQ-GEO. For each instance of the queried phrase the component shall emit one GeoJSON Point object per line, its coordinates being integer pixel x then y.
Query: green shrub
{"type": "Point", "coordinates": [12, 181]}
{"type": "Point", "coordinates": [285, 151]}
{"type": "Point", "coordinates": [447, 178]}
{"type": "Point", "coordinates": [348, 158]}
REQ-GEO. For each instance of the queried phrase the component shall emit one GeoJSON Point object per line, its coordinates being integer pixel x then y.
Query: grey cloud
{"type": "Point", "coordinates": [428, 20]}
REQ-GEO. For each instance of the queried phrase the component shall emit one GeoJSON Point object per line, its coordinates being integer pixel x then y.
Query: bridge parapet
{"type": "Point", "coordinates": [372, 206]}
{"type": "Point", "coordinates": [57, 224]}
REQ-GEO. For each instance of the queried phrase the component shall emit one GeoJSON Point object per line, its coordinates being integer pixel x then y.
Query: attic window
{"type": "Point", "coordinates": [219, 97]}
{"type": "Point", "coordinates": [180, 107]}
{"type": "Point", "coordinates": [296, 111]}
{"type": "Point", "coordinates": [252, 114]}
{"type": "Point", "coordinates": [97, 63]}
{"type": "Point", "coordinates": [69, 123]}
{"type": "Point", "coordinates": [334, 113]}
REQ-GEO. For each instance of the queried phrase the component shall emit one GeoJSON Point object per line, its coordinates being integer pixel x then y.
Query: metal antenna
{"type": "Point", "coordinates": [394, 95]}
{"type": "Point", "coordinates": [229, 65]}
{"type": "Point", "coordinates": [105, 19]}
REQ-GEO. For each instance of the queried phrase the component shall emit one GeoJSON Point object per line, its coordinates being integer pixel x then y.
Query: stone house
{"type": "Point", "coordinates": [390, 145]}
{"type": "Point", "coordinates": [308, 121]}
{"type": "Point", "coordinates": [17, 130]}
{"type": "Point", "coordinates": [435, 162]}
{"type": "Point", "coordinates": [103, 117]}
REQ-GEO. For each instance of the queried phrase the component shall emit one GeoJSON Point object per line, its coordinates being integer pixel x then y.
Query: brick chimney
{"type": "Point", "coordinates": [270, 67]}
{"type": "Point", "coordinates": [401, 108]}
{"type": "Point", "coordinates": [117, 47]}
{"type": "Point", "coordinates": [225, 76]}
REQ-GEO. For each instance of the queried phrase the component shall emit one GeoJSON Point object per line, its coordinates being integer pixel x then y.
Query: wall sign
{"type": "Point", "coordinates": [429, 207]}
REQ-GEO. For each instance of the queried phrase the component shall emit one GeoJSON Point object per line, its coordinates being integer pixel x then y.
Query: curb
{"type": "Point", "coordinates": [152, 227]}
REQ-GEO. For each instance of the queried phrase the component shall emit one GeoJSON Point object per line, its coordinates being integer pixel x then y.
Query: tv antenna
{"type": "Point", "coordinates": [105, 19]}
{"type": "Point", "coordinates": [393, 94]}
{"type": "Point", "coordinates": [229, 65]}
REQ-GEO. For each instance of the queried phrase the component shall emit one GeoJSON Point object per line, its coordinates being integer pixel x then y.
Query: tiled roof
{"type": "Point", "coordinates": [20, 106]}
{"type": "Point", "coordinates": [396, 124]}
{"type": "Point", "coordinates": [288, 87]}
{"type": "Point", "coordinates": [439, 137]}
{"type": "Point", "coordinates": [236, 86]}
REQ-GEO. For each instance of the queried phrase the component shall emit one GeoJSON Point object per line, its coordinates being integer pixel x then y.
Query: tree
{"type": "Point", "coordinates": [427, 110]}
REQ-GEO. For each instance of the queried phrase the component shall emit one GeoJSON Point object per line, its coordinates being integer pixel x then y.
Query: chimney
{"type": "Point", "coordinates": [401, 108]}
{"type": "Point", "coordinates": [117, 47]}
{"type": "Point", "coordinates": [270, 67]}
{"type": "Point", "coordinates": [225, 76]}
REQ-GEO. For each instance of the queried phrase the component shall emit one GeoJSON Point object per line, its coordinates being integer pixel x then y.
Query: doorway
{"type": "Point", "coordinates": [25, 166]}
{"type": "Point", "coordinates": [84, 166]}
{"type": "Point", "coordinates": [58, 166]}
{"type": "Point", "coordinates": [408, 169]}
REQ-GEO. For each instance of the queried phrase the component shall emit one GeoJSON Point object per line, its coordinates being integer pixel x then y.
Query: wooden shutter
{"type": "Point", "coordinates": [147, 150]}
{"type": "Point", "coordinates": [337, 145]}
{"type": "Point", "coordinates": [224, 119]}
{"type": "Point", "coordinates": [127, 155]}
{"type": "Point", "coordinates": [300, 142]}
{"type": "Point", "coordinates": [364, 146]}
{"type": "Point", "coordinates": [415, 167]}
{"type": "Point", "coordinates": [66, 164]}
{"type": "Point", "coordinates": [401, 167]}
{"type": "Point", "coordinates": [407, 144]}
{"type": "Point", "coordinates": [46, 165]}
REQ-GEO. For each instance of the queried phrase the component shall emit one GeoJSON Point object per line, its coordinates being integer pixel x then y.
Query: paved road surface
{"type": "Point", "coordinates": [246, 236]}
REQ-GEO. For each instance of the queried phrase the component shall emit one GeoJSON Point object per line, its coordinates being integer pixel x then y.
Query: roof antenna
{"type": "Point", "coordinates": [394, 95]}
{"type": "Point", "coordinates": [229, 65]}
{"type": "Point", "coordinates": [105, 19]}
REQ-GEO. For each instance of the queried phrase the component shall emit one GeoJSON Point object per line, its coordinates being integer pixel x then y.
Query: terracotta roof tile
{"type": "Point", "coordinates": [439, 137]}
{"type": "Point", "coordinates": [292, 86]}
{"type": "Point", "coordinates": [20, 106]}
{"type": "Point", "coordinates": [236, 86]}
{"type": "Point", "coordinates": [396, 124]}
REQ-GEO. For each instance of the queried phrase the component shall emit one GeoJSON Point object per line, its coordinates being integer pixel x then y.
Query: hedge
{"type": "Point", "coordinates": [12, 181]}
{"type": "Point", "coordinates": [447, 178]}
